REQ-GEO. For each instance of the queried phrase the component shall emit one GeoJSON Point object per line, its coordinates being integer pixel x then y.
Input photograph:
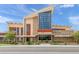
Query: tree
{"type": "Point", "coordinates": [10, 36]}
{"type": "Point", "coordinates": [76, 36]}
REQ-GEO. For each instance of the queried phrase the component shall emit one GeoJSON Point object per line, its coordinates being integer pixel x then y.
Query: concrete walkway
{"type": "Point", "coordinates": [32, 46]}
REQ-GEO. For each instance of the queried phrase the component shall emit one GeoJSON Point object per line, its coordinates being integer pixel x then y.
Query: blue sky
{"type": "Point", "coordinates": [67, 15]}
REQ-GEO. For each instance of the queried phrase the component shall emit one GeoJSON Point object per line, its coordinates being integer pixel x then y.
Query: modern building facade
{"type": "Point", "coordinates": [37, 27]}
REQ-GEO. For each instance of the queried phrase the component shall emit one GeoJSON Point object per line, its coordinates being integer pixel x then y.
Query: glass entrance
{"type": "Point", "coordinates": [44, 38]}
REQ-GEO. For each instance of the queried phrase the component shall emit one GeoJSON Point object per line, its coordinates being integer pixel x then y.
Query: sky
{"type": "Point", "coordinates": [63, 14]}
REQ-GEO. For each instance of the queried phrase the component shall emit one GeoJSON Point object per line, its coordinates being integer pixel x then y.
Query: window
{"type": "Point", "coordinates": [44, 37]}
{"type": "Point", "coordinates": [28, 29]}
{"type": "Point", "coordinates": [21, 31]}
{"type": "Point", "coordinates": [45, 20]}
{"type": "Point", "coordinates": [17, 31]}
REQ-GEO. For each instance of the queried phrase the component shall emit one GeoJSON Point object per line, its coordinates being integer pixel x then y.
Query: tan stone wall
{"type": "Point", "coordinates": [44, 33]}
{"type": "Point", "coordinates": [15, 25]}
{"type": "Point", "coordinates": [65, 40]}
{"type": "Point", "coordinates": [12, 26]}
{"type": "Point", "coordinates": [35, 26]}
{"type": "Point", "coordinates": [30, 21]}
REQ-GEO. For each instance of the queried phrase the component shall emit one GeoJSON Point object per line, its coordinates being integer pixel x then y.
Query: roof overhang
{"type": "Point", "coordinates": [62, 35]}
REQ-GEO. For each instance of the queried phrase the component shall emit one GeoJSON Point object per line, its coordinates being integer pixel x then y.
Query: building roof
{"type": "Point", "coordinates": [57, 29]}
{"type": "Point", "coordinates": [46, 9]}
{"type": "Point", "coordinates": [31, 15]}
{"type": "Point", "coordinates": [60, 26]}
{"type": "Point", "coordinates": [39, 11]}
{"type": "Point", "coordinates": [63, 35]}
{"type": "Point", "coordinates": [2, 33]}
{"type": "Point", "coordinates": [14, 23]}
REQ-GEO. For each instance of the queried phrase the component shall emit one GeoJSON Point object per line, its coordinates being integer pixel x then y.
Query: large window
{"type": "Point", "coordinates": [45, 20]}
{"type": "Point", "coordinates": [44, 37]}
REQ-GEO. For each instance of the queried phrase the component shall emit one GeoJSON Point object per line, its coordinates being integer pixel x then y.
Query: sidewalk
{"type": "Point", "coordinates": [43, 46]}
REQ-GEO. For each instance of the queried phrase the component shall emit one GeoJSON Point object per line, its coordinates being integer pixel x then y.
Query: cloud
{"type": "Point", "coordinates": [61, 13]}
{"type": "Point", "coordinates": [10, 11]}
{"type": "Point", "coordinates": [23, 8]}
{"type": "Point", "coordinates": [34, 10]}
{"type": "Point", "coordinates": [4, 19]}
{"type": "Point", "coordinates": [67, 5]}
{"type": "Point", "coordinates": [74, 20]}
{"type": "Point", "coordinates": [16, 10]}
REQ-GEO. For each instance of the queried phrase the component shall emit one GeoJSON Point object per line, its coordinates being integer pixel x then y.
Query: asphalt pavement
{"type": "Point", "coordinates": [18, 49]}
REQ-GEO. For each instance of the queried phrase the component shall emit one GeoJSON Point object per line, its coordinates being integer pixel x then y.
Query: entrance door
{"type": "Point", "coordinates": [44, 38]}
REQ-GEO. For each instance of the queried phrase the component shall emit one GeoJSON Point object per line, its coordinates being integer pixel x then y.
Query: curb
{"type": "Point", "coordinates": [41, 46]}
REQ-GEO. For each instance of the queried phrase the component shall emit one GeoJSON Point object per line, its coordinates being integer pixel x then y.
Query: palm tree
{"type": "Point", "coordinates": [10, 36]}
